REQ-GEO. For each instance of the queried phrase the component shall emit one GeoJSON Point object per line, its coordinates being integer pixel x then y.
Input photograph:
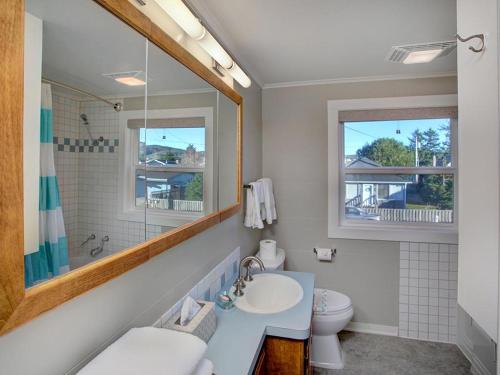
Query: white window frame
{"type": "Point", "coordinates": [128, 150]}
{"type": "Point", "coordinates": [373, 230]}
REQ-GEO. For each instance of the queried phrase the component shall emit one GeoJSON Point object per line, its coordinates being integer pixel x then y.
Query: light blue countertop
{"type": "Point", "coordinates": [235, 345]}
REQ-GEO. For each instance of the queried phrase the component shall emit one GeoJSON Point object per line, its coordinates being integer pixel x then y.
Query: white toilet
{"type": "Point", "coordinates": [332, 312]}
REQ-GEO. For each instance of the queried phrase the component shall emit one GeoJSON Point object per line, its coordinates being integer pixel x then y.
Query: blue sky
{"type": "Point", "coordinates": [175, 137]}
{"type": "Point", "coordinates": [357, 134]}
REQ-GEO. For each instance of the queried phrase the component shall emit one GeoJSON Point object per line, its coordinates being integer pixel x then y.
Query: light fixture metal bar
{"type": "Point", "coordinates": [211, 31]}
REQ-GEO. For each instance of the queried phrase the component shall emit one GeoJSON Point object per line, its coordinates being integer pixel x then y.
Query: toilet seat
{"type": "Point", "coordinates": [330, 302]}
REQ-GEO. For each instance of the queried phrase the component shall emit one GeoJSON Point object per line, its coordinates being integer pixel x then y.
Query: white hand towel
{"type": "Point", "coordinates": [188, 310]}
{"type": "Point", "coordinates": [253, 217]}
{"type": "Point", "coordinates": [149, 350]}
{"type": "Point", "coordinates": [258, 191]}
{"type": "Point", "coordinates": [205, 367]}
{"type": "Point", "coordinates": [269, 212]}
{"type": "Point", "coordinates": [249, 209]}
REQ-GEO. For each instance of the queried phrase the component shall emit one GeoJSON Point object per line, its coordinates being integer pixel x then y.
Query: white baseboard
{"type": "Point", "coordinates": [375, 329]}
{"type": "Point", "coordinates": [477, 366]}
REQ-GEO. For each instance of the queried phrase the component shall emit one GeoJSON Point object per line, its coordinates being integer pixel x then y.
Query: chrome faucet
{"type": "Point", "coordinates": [240, 281]}
{"type": "Point", "coordinates": [99, 249]}
{"type": "Point", "coordinates": [247, 261]}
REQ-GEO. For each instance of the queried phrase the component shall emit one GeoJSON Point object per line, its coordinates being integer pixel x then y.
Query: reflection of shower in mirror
{"type": "Point", "coordinates": [131, 162]}
{"type": "Point", "coordinates": [85, 122]}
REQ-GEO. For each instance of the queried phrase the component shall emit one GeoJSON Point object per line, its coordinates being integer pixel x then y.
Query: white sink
{"type": "Point", "coordinates": [270, 293]}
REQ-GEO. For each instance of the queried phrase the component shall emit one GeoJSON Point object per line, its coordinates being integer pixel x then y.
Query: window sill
{"type": "Point", "coordinates": [156, 217]}
{"type": "Point", "coordinates": [388, 232]}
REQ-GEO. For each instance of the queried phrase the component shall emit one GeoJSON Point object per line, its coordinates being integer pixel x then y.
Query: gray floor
{"type": "Point", "coordinates": [383, 355]}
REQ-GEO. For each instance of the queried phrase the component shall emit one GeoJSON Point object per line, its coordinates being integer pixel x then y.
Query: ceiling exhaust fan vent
{"type": "Point", "coordinates": [398, 54]}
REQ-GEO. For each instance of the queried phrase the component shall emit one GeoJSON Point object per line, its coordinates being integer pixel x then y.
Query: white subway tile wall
{"type": "Point", "coordinates": [98, 187]}
{"type": "Point", "coordinates": [206, 289]}
{"type": "Point", "coordinates": [428, 291]}
{"type": "Point", "coordinates": [88, 180]}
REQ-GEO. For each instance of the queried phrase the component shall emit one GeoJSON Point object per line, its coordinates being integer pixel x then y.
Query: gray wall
{"type": "Point", "coordinates": [59, 340]}
{"type": "Point", "coordinates": [295, 157]}
{"type": "Point", "coordinates": [475, 343]}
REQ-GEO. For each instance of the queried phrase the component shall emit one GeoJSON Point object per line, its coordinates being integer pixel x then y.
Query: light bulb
{"type": "Point", "coordinates": [240, 76]}
{"type": "Point", "coordinates": [419, 57]}
{"type": "Point", "coordinates": [183, 17]}
{"type": "Point", "coordinates": [214, 49]}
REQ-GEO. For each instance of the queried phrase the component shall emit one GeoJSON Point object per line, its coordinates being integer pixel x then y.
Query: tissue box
{"type": "Point", "coordinates": [203, 324]}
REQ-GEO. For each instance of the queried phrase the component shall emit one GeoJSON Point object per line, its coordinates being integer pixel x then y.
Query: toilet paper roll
{"type": "Point", "coordinates": [324, 254]}
{"type": "Point", "coordinates": [268, 249]}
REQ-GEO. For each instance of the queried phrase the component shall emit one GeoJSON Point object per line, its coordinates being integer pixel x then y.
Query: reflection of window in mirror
{"type": "Point", "coordinates": [131, 145]}
{"type": "Point", "coordinates": [175, 160]}
{"type": "Point", "coordinates": [167, 165]}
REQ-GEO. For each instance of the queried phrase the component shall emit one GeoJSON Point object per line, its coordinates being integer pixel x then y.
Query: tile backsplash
{"type": "Point", "coordinates": [208, 287]}
{"type": "Point", "coordinates": [428, 291]}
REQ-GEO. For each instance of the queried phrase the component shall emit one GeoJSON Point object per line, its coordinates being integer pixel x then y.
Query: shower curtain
{"type": "Point", "coordinates": [51, 259]}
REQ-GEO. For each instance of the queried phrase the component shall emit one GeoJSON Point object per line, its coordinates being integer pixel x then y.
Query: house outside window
{"type": "Point", "coordinates": [396, 168]}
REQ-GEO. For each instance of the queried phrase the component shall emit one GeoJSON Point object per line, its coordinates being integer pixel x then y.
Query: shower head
{"type": "Point", "coordinates": [84, 118]}
{"type": "Point", "coordinates": [85, 121]}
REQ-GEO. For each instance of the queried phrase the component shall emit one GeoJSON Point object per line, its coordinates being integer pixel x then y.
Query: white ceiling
{"type": "Point", "coordinates": [82, 41]}
{"type": "Point", "coordinates": [302, 40]}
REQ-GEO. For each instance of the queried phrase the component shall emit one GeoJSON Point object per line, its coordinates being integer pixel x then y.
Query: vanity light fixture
{"type": "Point", "coordinates": [188, 22]}
{"type": "Point", "coordinates": [133, 78]}
{"type": "Point", "coordinates": [239, 75]}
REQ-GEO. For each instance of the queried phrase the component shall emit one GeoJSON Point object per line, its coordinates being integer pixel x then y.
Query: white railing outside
{"type": "Point", "coordinates": [410, 215]}
{"type": "Point", "coordinates": [177, 205]}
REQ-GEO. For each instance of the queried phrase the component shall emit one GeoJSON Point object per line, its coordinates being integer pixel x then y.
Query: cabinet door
{"type": "Point", "coordinates": [479, 166]}
{"type": "Point", "coordinates": [260, 367]}
{"type": "Point", "coordinates": [285, 356]}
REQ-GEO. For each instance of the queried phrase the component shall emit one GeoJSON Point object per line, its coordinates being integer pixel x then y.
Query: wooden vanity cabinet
{"type": "Point", "coordinates": [281, 356]}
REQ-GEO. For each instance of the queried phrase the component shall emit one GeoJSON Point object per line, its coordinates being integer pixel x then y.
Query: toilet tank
{"type": "Point", "coordinates": [277, 263]}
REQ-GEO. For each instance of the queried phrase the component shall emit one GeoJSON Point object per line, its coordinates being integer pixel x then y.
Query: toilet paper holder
{"type": "Point", "coordinates": [334, 251]}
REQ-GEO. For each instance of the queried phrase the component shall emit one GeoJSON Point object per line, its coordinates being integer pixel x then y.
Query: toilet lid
{"type": "Point", "coordinates": [329, 301]}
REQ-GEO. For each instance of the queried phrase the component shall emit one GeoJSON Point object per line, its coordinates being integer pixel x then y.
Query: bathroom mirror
{"type": "Point", "coordinates": [122, 143]}
{"type": "Point", "coordinates": [84, 67]}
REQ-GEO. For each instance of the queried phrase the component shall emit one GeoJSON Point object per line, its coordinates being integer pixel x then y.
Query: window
{"type": "Point", "coordinates": [167, 165]}
{"type": "Point", "coordinates": [170, 167]}
{"type": "Point", "coordinates": [396, 168]}
{"type": "Point", "coordinates": [400, 170]}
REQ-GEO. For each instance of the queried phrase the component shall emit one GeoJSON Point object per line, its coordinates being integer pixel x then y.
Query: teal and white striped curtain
{"type": "Point", "coordinates": [51, 259]}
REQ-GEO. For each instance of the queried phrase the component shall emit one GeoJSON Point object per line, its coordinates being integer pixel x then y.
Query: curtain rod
{"type": "Point", "coordinates": [117, 106]}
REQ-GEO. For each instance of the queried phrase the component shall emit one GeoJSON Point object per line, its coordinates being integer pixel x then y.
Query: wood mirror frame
{"type": "Point", "coordinates": [17, 304]}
